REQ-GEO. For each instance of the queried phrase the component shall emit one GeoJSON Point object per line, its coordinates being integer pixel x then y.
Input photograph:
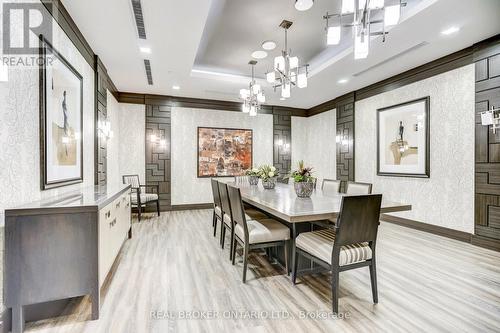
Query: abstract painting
{"type": "Point", "coordinates": [61, 121]}
{"type": "Point", "coordinates": [224, 152]}
{"type": "Point", "coordinates": [403, 139]}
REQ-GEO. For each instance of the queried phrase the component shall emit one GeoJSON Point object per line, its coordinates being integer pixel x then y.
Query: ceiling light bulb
{"type": "Point", "coordinates": [294, 62]}
{"type": "Point", "coordinates": [302, 80]}
{"type": "Point", "coordinates": [285, 90]}
{"type": "Point", "coordinates": [302, 5]}
{"type": "Point", "coordinates": [269, 45]}
{"type": "Point", "coordinates": [376, 4]}
{"type": "Point", "coordinates": [261, 97]}
{"type": "Point", "coordinates": [361, 44]}
{"type": "Point", "coordinates": [391, 15]}
{"type": "Point", "coordinates": [333, 35]}
{"type": "Point", "coordinates": [279, 63]}
{"type": "Point", "coordinates": [271, 77]}
{"type": "Point", "coordinates": [450, 30]}
{"type": "Point", "coordinates": [253, 111]}
{"type": "Point", "coordinates": [245, 108]}
{"type": "Point", "coordinates": [176, 87]}
{"type": "Point", "coordinates": [259, 54]}
{"type": "Point", "coordinates": [256, 88]}
{"type": "Point", "coordinates": [145, 49]}
{"type": "Point", "coordinates": [347, 6]}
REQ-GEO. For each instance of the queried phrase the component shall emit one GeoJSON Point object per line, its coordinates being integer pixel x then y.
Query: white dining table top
{"type": "Point", "coordinates": [283, 203]}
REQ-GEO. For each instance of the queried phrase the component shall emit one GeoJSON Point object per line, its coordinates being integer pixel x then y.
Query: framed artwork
{"type": "Point", "coordinates": [61, 120]}
{"type": "Point", "coordinates": [403, 139]}
{"type": "Point", "coordinates": [224, 152]}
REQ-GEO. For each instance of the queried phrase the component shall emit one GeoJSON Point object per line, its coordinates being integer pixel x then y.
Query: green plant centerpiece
{"type": "Point", "coordinates": [303, 180]}
{"type": "Point", "coordinates": [268, 174]}
{"type": "Point", "coordinates": [253, 176]}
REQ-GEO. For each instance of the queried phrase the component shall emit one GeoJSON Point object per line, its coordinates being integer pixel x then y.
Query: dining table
{"type": "Point", "coordinates": [301, 214]}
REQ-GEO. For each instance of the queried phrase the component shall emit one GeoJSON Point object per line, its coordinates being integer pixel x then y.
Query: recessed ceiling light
{"type": "Point", "coordinates": [145, 49]}
{"type": "Point", "coordinates": [269, 45]}
{"type": "Point", "coordinates": [342, 81]}
{"type": "Point", "coordinates": [450, 30]}
{"type": "Point", "coordinates": [303, 5]}
{"type": "Point", "coordinates": [175, 87]}
{"type": "Point", "coordinates": [259, 54]}
{"type": "Point", "coordinates": [282, 98]}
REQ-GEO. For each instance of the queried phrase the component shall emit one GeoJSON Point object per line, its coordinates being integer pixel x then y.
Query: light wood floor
{"type": "Point", "coordinates": [173, 265]}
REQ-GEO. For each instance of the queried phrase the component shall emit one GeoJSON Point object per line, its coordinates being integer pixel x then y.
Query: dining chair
{"type": "Point", "coordinates": [140, 198]}
{"type": "Point", "coordinates": [330, 186]}
{"type": "Point", "coordinates": [349, 246]}
{"type": "Point", "coordinates": [217, 215]}
{"type": "Point", "coordinates": [254, 234]}
{"type": "Point", "coordinates": [356, 188]}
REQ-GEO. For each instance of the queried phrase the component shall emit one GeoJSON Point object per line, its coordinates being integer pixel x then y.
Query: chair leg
{"type": "Point", "coordinates": [245, 262]}
{"type": "Point", "coordinates": [335, 290]}
{"type": "Point", "coordinates": [373, 277]}
{"type": "Point", "coordinates": [213, 219]}
{"type": "Point", "coordinates": [215, 226]}
{"type": "Point", "coordinates": [223, 235]}
{"type": "Point", "coordinates": [286, 248]}
{"type": "Point", "coordinates": [158, 207]}
{"type": "Point", "coordinates": [231, 244]}
{"type": "Point", "coordinates": [234, 250]}
{"type": "Point", "coordinates": [139, 208]}
{"type": "Point", "coordinates": [295, 263]}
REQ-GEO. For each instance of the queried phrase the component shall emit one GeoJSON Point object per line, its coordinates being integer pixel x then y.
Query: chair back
{"type": "Point", "coordinates": [215, 193]}
{"type": "Point", "coordinates": [224, 199]}
{"type": "Point", "coordinates": [355, 188]}
{"type": "Point", "coordinates": [330, 186]}
{"type": "Point", "coordinates": [358, 220]}
{"type": "Point", "coordinates": [237, 208]}
{"type": "Point", "coordinates": [132, 180]}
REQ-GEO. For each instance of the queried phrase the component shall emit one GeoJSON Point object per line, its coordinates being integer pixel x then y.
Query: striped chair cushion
{"type": "Point", "coordinates": [133, 181]}
{"type": "Point", "coordinates": [145, 197]}
{"type": "Point", "coordinates": [263, 231]}
{"type": "Point", "coordinates": [319, 243]}
{"type": "Point", "coordinates": [227, 219]}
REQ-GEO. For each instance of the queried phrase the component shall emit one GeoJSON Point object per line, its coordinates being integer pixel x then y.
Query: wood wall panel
{"type": "Point", "coordinates": [487, 146]}
{"type": "Point", "coordinates": [282, 130]}
{"type": "Point", "coordinates": [158, 162]}
{"type": "Point", "coordinates": [345, 146]}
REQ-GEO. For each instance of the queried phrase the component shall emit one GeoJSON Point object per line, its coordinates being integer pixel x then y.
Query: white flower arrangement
{"type": "Point", "coordinates": [267, 171]}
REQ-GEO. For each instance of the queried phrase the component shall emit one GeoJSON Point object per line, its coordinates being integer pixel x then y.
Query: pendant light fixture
{"type": "Point", "coordinates": [252, 97]}
{"type": "Point", "coordinates": [358, 15]}
{"type": "Point", "coordinates": [287, 72]}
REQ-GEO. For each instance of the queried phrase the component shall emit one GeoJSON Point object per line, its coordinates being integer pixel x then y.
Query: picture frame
{"type": "Point", "coordinates": [233, 158]}
{"type": "Point", "coordinates": [61, 119]}
{"type": "Point", "coordinates": [403, 139]}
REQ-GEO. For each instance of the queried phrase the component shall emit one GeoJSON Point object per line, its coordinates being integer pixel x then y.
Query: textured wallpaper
{"type": "Point", "coordinates": [19, 130]}
{"type": "Point", "coordinates": [132, 126]}
{"type": "Point", "coordinates": [186, 187]}
{"type": "Point", "coordinates": [313, 140]}
{"type": "Point", "coordinates": [447, 197]}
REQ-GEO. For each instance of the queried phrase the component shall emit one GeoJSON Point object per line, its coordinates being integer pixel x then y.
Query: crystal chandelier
{"type": "Point", "coordinates": [252, 97]}
{"type": "Point", "coordinates": [287, 72]}
{"type": "Point", "coordinates": [358, 12]}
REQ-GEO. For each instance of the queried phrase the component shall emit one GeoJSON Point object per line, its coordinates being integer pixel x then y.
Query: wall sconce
{"type": "Point", "coordinates": [153, 138]}
{"type": "Point", "coordinates": [104, 129]}
{"type": "Point", "coordinates": [285, 146]}
{"type": "Point", "coordinates": [491, 117]}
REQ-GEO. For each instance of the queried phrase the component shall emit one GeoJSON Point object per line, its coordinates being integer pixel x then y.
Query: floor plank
{"type": "Point", "coordinates": [173, 267]}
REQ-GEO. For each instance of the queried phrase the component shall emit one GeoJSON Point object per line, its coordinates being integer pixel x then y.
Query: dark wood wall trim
{"type": "Point", "coordinates": [193, 206]}
{"type": "Point", "coordinates": [430, 228]}
{"type": "Point", "coordinates": [199, 103]}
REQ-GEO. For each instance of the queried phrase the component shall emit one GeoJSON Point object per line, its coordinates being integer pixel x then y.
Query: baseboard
{"type": "Point", "coordinates": [488, 243]}
{"type": "Point", "coordinates": [430, 228]}
{"type": "Point", "coordinates": [193, 206]}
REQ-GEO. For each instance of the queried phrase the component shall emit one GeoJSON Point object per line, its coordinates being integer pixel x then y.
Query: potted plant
{"type": "Point", "coordinates": [303, 181]}
{"type": "Point", "coordinates": [253, 176]}
{"type": "Point", "coordinates": [268, 174]}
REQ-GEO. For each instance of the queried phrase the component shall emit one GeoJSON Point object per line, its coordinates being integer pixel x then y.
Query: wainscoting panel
{"type": "Point", "coordinates": [158, 122]}
{"type": "Point", "coordinates": [487, 150]}
{"type": "Point", "coordinates": [282, 133]}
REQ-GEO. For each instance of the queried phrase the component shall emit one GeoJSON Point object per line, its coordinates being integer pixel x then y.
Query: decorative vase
{"type": "Point", "coordinates": [269, 183]}
{"type": "Point", "coordinates": [304, 189]}
{"type": "Point", "coordinates": [253, 180]}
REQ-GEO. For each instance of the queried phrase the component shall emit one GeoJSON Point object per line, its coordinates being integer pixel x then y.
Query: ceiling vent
{"type": "Point", "coordinates": [147, 65]}
{"type": "Point", "coordinates": [396, 56]}
{"type": "Point", "coordinates": [139, 19]}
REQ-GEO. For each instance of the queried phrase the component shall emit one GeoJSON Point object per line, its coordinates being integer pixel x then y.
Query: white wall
{"type": "Point", "coordinates": [313, 140]}
{"type": "Point", "coordinates": [19, 130]}
{"type": "Point", "coordinates": [447, 197]}
{"type": "Point", "coordinates": [113, 144]}
{"type": "Point", "coordinates": [132, 127]}
{"type": "Point", "coordinates": [186, 187]}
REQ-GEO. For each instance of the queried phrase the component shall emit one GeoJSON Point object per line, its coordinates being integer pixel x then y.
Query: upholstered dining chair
{"type": "Point", "coordinates": [350, 245]}
{"type": "Point", "coordinates": [254, 234]}
{"type": "Point", "coordinates": [356, 188]}
{"type": "Point", "coordinates": [140, 198]}
{"type": "Point", "coordinates": [217, 215]}
{"type": "Point", "coordinates": [330, 186]}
